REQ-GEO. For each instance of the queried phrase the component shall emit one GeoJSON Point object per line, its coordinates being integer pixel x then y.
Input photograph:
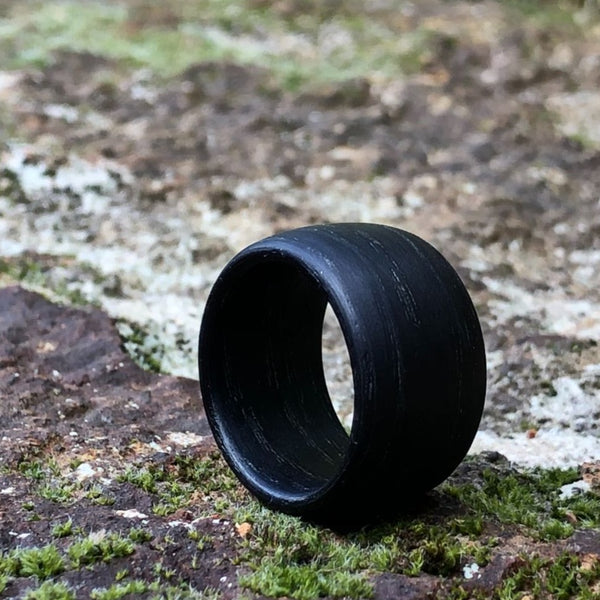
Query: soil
{"type": "Point", "coordinates": [127, 191]}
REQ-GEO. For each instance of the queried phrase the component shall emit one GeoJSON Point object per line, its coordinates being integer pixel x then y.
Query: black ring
{"type": "Point", "coordinates": [417, 357]}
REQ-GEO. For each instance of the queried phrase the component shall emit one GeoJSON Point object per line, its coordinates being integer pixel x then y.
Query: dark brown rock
{"type": "Point", "coordinates": [586, 541]}
{"type": "Point", "coordinates": [390, 585]}
{"type": "Point", "coordinates": [492, 576]}
{"type": "Point", "coordinates": [64, 375]}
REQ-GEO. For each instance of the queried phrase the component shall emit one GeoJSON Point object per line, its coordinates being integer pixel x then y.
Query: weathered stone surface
{"type": "Point", "coordinates": [64, 377]}
{"type": "Point", "coordinates": [131, 191]}
{"type": "Point", "coordinates": [408, 588]}
{"type": "Point", "coordinates": [491, 577]}
{"type": "Point", "coordinates": [585, 542]}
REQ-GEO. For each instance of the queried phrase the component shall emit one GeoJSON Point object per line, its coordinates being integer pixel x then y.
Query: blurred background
{"type": "Point", "coordinates": [144, 143]}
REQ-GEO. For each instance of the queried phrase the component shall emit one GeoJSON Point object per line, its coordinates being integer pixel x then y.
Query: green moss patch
{"type": "Point", "coordinates": [144, 349]}
{"type": "Point", "coordinates": [41, 562]}
{"type": "Point", "coordinates": [560, 578]}
{"type": "Point", "coordinates": [49, 275]}
{"type": "Point", "coordinates": [531, 500]}
{"type": "Point", "coordinates": [466, 524]}
{"type": "Point", "coordinates": [203, 30]}
{"type": "Point", "coordinates": [50, 590]}
{"type": "Point", "coordinates": [317, 42]}
{"type": "Point", "coordinates": [181, 479]}
{"type": "Point", "coordinates": [284, 556]}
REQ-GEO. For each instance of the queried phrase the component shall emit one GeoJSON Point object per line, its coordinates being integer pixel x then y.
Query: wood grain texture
{"type": "Point", "coordinates": [417, 357]}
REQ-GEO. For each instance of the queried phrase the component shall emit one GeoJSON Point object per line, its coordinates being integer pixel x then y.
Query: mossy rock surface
{"type": "Point", "coordinates": [106, 492]}
{"type": "Point", "coordinates": [142, 144]}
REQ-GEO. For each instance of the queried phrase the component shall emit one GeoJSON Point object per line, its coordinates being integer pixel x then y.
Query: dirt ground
{"type": "Point", "coordinates": [142, 145]}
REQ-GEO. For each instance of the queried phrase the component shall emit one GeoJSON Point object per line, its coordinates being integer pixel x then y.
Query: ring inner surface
{"type": "Point", "coordinates": [273, 409]}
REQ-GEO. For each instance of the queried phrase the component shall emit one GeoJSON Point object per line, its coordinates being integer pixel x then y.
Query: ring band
{"type": "Point", "coordinates": [417, 357]}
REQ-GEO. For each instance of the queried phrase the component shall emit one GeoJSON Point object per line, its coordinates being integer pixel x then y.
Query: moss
{"type": "Point", "coordinates": [48, 561]}
{"type": "Point", "coordinates": [41, 562]}
{"type": "Point", "coordinates": [36, 273]}
{"type": "Point", "coordinates": [133, 588]}
{"type": "Point", "coordinates": [289, 557]}
{"type": "Point", "coordinates": [143, 478]}
{"type": "Point", "coordinates": [438, 552]}
{"type": "Point", "coordinates": [119, 590]}
{"type": "Point", "coordinates": [50, 483]}
{"type": "Point", "coordinates": [10, 186]}
{"type": "Point", "coordinates": [530, 499]}
{"type": "Point", "coordinates": [209, 474]}
{"type": "Point", "coordinates": [182, 592]}
{"type": "Point", "coordinates": [173, 497]}
{"type": "Point", "coordinates": [579, 346]}
{"type": "Point", "coordinates": [139, 535]}
{"type": "Point", "coordinates": [283, 555]}
{"type": "Point", "coordinates": [305, 583]}
{"type": "Point", "coordinates": [202, 540]}
{"type": "Point", "coordinates": [145, 350]}
{"type": "Point", "coordinates": [585, 508]}
{"type": "Point", "coordinates": [176, 481]}
{"type": "Point", "coordinates": [548, 388]}
{"type": "Point", "coordinates": [99, 547]}
{"type": "Point", "coordinates": [96, 494]}
{"type": "Point", "coordinates": [58, 491]}
{"type": "Point", "coordinates": [212, 30]}
{"type": "Point", "coordinates": [563, 577]}
{"type": "Point", "coordinates": [64, 529]}
{"type": "Point", "coordinates": [34, 468]}
{"type": "Point", "coordinates": [548, 13]}
{"type": "Point", "coordinates": [585, 142]}
{"type": "Point", "coordinates": [50, 590]}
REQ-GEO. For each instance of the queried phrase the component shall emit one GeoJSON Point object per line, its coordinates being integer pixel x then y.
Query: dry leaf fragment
{"type": "Point", "coordinates": [589, 562]}
{"type": "Point", "coordinates": [571, 517]}
{"type": "Point", "coordinates": [243, 529]}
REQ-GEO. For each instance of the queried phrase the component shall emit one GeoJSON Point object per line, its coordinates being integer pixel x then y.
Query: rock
{"type": "Point", "coordinates": [483, 151]}
{"type": "Point", "coordinates": [400, 586]}
{"type": "Point", "coordinates": [585, 542]}
{"type": "Point", "coordinates": [65, 377]}
{"type": "Point", "coordinates": [492, 576]}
